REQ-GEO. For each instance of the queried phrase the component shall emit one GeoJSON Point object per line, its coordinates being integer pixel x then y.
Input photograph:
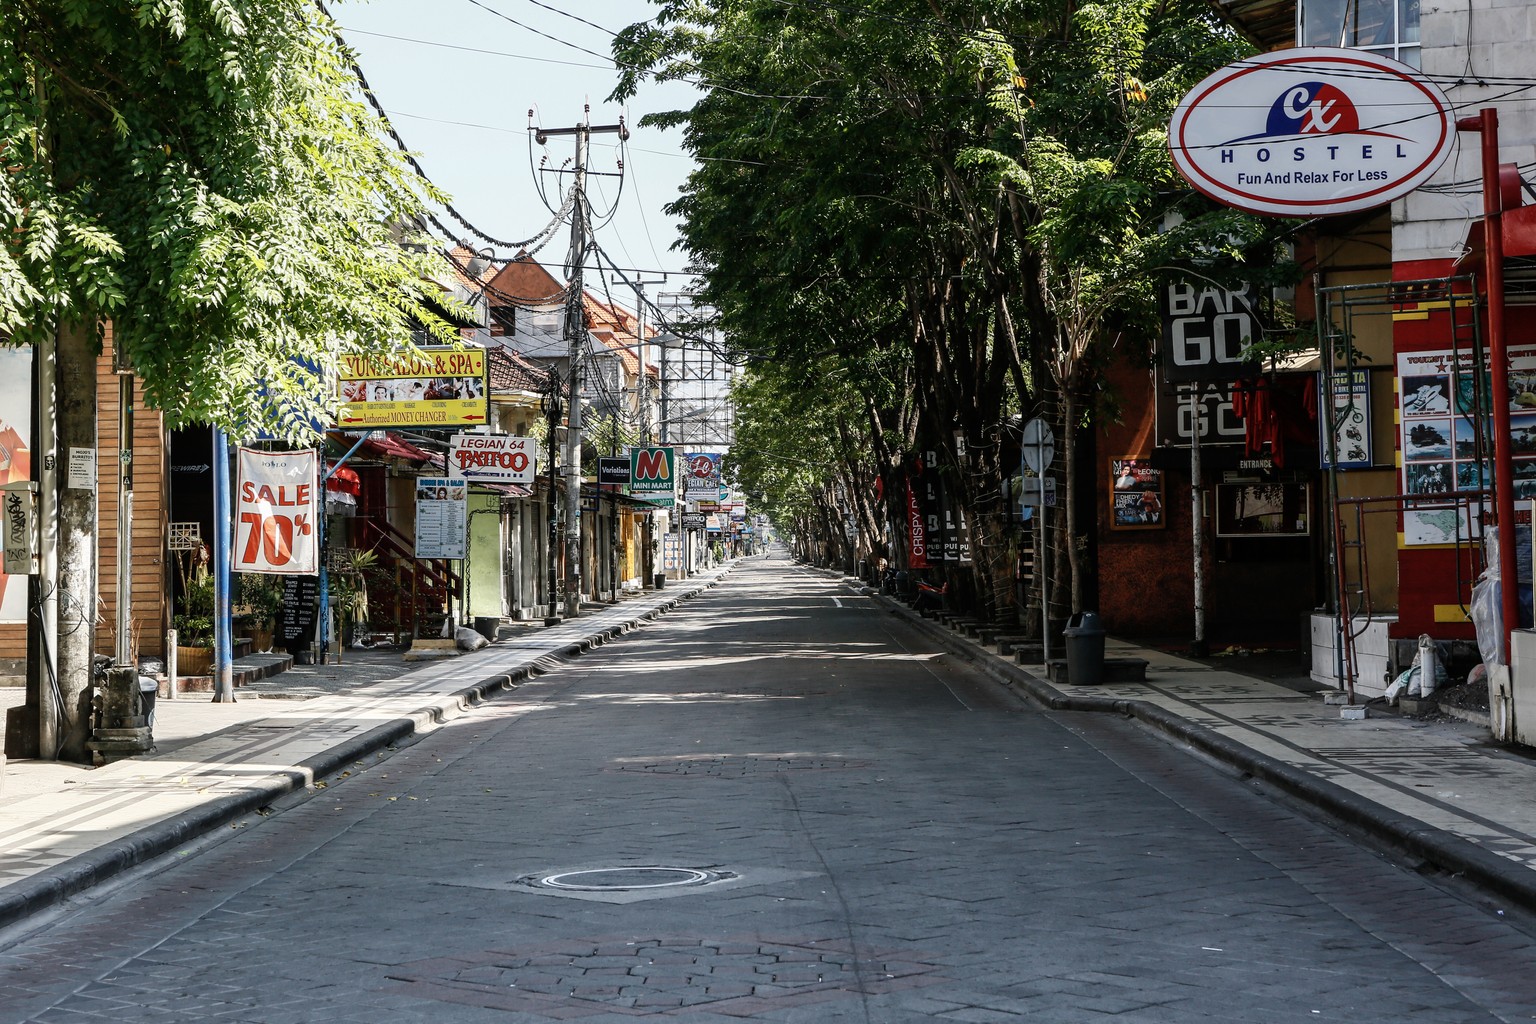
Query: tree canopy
{"type": "Point", "coordinates": [959, 205]}
{"type": "Point", "coordinates": [203, 174]}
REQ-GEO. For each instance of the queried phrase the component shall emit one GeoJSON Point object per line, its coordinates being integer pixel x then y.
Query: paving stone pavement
{"type": "Point", "coordinates": [893, 841]}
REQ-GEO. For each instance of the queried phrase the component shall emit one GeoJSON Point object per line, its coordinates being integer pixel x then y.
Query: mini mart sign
{"type": "Point", "coordinates": [1312, 131]}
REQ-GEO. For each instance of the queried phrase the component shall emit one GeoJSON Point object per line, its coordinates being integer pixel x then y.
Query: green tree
{"type": "Point", "coordinates": [201, 174]}
{"type": "Point", "coordinates": [957, 202]}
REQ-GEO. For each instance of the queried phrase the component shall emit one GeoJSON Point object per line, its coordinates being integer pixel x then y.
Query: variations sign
{"type": "Point", "coordinates": [612, 471]}
{"type": "Point", "coordinates": [492, 458]}
{"type": "Point", "coordinates": [1311, 131]}
{"type": "Point", "coordinates": [275, 511]}
{"type": "Point", "coordinates": [442, 386]}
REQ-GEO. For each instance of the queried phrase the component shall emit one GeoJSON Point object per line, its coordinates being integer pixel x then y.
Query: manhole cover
{"type": "Point", "coordinates": [630, 883]}
{"type": "Point", "coordinates": [626, 879]}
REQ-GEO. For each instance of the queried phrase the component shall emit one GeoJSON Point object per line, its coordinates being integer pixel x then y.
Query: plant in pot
{"type": "Point", "coordinates": [194, 620]}
{"type": "Point", "coordinates": [262, 595]}
{"type": "Point", "coordinates": [349, 591]}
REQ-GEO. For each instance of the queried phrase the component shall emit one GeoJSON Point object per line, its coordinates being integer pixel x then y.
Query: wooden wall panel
{"type": "Point", "coordinates": [150, 612]}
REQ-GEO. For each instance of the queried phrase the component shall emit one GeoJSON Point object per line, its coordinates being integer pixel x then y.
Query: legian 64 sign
{"type": "Point", "coordinates": [275, 509]}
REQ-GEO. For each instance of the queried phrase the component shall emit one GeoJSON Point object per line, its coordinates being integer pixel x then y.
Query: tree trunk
{"type": "Point", "coordinates": [77, 356]}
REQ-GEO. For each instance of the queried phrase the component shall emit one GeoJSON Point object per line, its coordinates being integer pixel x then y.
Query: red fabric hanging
{"type": "Point", "coordinates": [1274, 411]}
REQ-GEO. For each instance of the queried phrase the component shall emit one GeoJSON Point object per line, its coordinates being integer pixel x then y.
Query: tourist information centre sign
{"type": "Point", "coordinates": [1311, 131]}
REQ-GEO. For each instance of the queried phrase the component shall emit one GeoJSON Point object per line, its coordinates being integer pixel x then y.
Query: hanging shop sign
{"type": "Point", "coordinates": [653, 475]}
{"type": "Point", "coordinates": [1207, 330]}
{"type": "Point", "coordinates": [276, 506]}
{"type": "Point", "coordinates": [437, 386]}
{"type": "Point", "coordinates": [702, 476]}
{"type": "Point", "coordinates": [441, 513]}
{"type": "Point", "coordinates": [1311, 131]}
{"type": "Point", "coordinates": [1181, 406]}
{"type": "Point", "coordinates": [1349, 447]}
{"type": "Point", "coordinates": [493, 458]}
{"type": "Point", "coordinates": [612, 471]}
{"type": "Point", "coordinates": [917, 530]}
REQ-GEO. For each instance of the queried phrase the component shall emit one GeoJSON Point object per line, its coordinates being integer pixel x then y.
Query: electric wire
{"type": "Point", "coordinates": [378, 109]}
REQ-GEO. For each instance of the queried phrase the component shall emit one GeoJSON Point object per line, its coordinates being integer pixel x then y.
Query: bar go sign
{"type": "Point", "coordinates": [275, 510]}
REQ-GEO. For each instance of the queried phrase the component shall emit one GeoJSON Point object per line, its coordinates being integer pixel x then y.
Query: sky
{"type": "Point", "coordinates": [458, 78]}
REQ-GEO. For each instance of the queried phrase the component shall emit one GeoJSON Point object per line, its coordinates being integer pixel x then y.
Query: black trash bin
{"type": "Point", "coordinates": [659, 580]}
{"type": "Point", "coordinates": [1084, 634]}
{"type": "Point", "coordinates": [488, 626]}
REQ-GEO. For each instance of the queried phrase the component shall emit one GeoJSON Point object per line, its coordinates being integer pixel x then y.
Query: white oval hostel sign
{"type": "Point", "coordinates": [1311, 131]}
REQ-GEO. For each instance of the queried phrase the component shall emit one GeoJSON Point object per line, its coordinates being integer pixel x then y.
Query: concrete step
{"type": "Point", "coordinates": [246, 670]}
{"type": "Point", "coordinates": [1116, 670]}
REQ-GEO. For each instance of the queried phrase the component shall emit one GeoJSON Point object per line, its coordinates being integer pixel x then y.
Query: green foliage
{"type": "Point", "coordinates": [203, 175]}
{"type": "Point", "coordinates": [193, 620]}
{"type": "Point", "coordinates": [918, 217]}
{"type": "Point", "coordinates": [262, 593]}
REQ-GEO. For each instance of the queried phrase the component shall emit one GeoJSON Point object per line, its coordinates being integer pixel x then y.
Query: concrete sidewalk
{"type": "Point", "coordinates": [65, 828]}
{"type": "Point", "coordinates": [1440, 794]}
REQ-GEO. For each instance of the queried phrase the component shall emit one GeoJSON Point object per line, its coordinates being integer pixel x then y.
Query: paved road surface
{"type": "Point", "coordinates": [772, 805]}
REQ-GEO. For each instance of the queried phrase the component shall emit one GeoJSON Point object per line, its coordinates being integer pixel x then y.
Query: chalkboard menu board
{"type": "Point", "coordinates": [296, 618]}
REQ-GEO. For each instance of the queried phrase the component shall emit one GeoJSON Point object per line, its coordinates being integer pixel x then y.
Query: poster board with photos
{"type": "Point", "coordinates": [1135, 495]}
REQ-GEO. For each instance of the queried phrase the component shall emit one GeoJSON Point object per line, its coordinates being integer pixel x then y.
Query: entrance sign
{"type": "Point", "coordinates": [492, 458]}
{"type": "Point", "coordinates": [1311, 131]}
{"type": "Point", "coordinates": [276, 505]}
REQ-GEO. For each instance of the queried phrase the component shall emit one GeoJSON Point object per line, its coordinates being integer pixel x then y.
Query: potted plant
{"type": "Point", "coordinates": [349, 592]}
{"type": "Point", "coordinates": [262, 595]}
{"type": "Point", "coordinates": [194, 621]}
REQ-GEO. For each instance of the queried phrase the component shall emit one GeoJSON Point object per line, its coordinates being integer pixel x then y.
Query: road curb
{"type": "Point", "coordinates": [22, 899]}
{"type": "Point", "coordinates": [1435, 848]}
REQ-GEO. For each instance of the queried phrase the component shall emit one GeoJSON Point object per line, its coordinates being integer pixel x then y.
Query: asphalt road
{"type": "Point", "coordinates": [776, 805]}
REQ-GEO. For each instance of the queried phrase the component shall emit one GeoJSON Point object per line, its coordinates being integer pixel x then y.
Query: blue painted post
{"type": "Point", "coordinates": [223, 607]}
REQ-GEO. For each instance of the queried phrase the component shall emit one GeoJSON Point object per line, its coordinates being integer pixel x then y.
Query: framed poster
{"type": "Point", "coordinates": [441, 516]}
{"type": "Point", "coordinates": [1263, 510]}
{"type": "Point", "coordinates": [1135, 495]}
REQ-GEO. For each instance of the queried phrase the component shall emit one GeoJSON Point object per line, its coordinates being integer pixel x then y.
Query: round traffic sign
{"type": "Point", "coordinates": [1039, 445]}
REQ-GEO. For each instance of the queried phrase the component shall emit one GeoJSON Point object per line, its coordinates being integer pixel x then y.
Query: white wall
{"type": "Point", "coordinates": [1463, 40]}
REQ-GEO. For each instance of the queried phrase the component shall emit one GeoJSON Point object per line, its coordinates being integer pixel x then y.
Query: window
{"type": "Point", "coordinates": [503, 321]}
{"type": "Point", "coordinates": [1387, 27]}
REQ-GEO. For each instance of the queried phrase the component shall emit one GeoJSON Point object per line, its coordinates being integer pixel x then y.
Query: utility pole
{"type": "Point", "coordinates": [576, 336]}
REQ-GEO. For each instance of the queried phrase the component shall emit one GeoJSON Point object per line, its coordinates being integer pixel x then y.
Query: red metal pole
{"type": "Point", "coordinates": [1487, 124]}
